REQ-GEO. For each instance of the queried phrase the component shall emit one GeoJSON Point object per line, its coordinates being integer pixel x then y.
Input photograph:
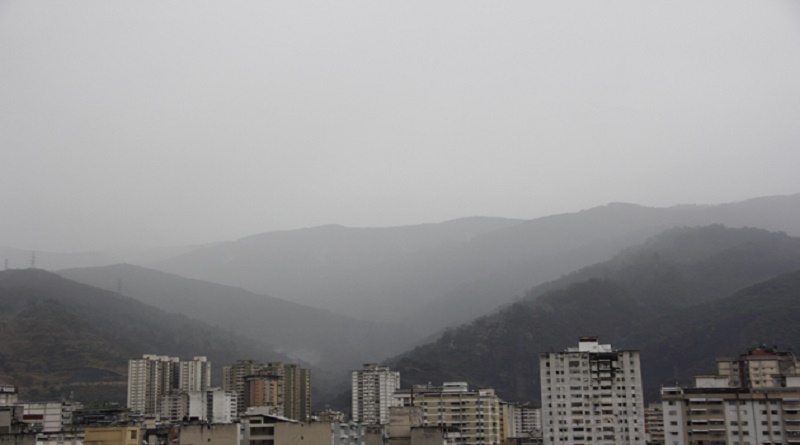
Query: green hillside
{"type": "Point", "coordinates": [59, 337]}
{"type": "Point", "coordinates": [673, 298]}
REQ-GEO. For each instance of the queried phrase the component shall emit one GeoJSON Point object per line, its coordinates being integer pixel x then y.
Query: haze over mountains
{"type": "Point", "coordinates": [429, 275]}
{"type": "Point", "coordinates": [58, 336]}
{"type": "Point", "coordinates": [336, 297]}
{"type": "Point", "coordinates": [682, 298]}
{"type": "Point", "coordinates": [316, 336]}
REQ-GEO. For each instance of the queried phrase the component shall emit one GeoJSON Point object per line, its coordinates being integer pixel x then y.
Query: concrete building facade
{"type": "Point", "coordinates": [466, 417]}
{"type": "Point", "coordinates": [753, 399]}
{"type": "Point", "coordinates": [373, 393]}
{"type": "Point", "coordinates": [592, 394]}
{"type": "Point", "coordinates": [154, 376]}
{"type": "Point", "coordinates": [294, 390]}
{"type": "Point", "coordinates": [212, 405]}
{"type": "Point", "coordinates": [284, 387]}
{"type": "Point", "coordinates": [234, 379]}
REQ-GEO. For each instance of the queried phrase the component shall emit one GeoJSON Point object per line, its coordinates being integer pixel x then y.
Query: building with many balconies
{"type": "Point", "coordinates": [592, 394]}
{"type": "Point", "coordinates": [753, 399]}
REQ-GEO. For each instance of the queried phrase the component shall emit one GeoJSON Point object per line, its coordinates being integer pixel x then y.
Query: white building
{"type": "Point", "coordinates": [8, 394]}
{"type": "Point", "coordinates": [592, 394]}
{"type": "Point", "coordinates": [373, 391]}
{"type": "Point", "coordinates": [195, 374]}
{"type": "Point", "coordinates": [154, 376]}
{"type": "Point", "coordinates": [754, 399]}
{"type": "Point", "coordinates": [522, 421]}
{"type": "Point", "coordinates": [212, 405]}
{"type": "Point", "coordinates": [52, 416]}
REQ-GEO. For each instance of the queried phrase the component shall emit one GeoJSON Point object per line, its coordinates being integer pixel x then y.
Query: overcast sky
{"type": "Point", "coordinates": [146, 123]}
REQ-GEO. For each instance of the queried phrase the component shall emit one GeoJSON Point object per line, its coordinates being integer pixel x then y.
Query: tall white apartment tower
{"type": "Point", "coordinates": [373, 391]}
{"type": "Point", "coordinates": [152, 377]}
{"type": "Point", "coordinates": [195, 374]}
{"type": "Point", "coordinates": [592, 394]}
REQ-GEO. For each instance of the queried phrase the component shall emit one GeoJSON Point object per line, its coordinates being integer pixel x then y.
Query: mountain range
{"type": "Point", "coordinates": [681, 298]}
{"type": "Point", "coordinates": [472, 299]}
{"type": "Point", "coordinates": [437, 275]}
{"type": "Point", "coordinates": [59, 337]}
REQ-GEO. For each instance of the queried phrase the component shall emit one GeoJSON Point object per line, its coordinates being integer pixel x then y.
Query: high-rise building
{"type": "Point", "coordinates": [261, 389]}
{"type": "Point", "coordinates": [154, 376]}
{"type": "Point", "coordinates": [233, 379]}
{"type": "Point", "coordinates": [373, 394]}
{"type": "Point", "coordinates": [522, 420]}
{"type": "Point", "coordinates": [654, 424]}
{"type": "Point", "coordinates": [592, 394]}
{"type": "Point", "coordinates": [470, 417]}
{"type": "Point", "coordinates": [283, 386]}
{"type": "Point", "coordinates": [195, 374]}
{"type": "Point", "coordinates": [753, 399]}
{"type": "Point", "coordinates": [294, 391]}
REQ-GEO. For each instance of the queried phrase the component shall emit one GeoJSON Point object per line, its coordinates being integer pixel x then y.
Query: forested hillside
{"type": "Point", "coordinates": [59, 337]}
{"type": "Point", "coordinates": [677, 298]}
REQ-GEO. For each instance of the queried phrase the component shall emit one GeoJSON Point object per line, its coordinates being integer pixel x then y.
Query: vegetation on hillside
{"type": "Point", "coordinates": [674, 298]}
{"type": "Point", "coordinates": [59, 337]}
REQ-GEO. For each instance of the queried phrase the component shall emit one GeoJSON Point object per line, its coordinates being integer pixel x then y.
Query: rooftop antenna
{"type": "Point", "coordinates": [33, 260]}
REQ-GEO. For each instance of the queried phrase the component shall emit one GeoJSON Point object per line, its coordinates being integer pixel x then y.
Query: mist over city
{"type": "Point", "coordinates": [566, 222]}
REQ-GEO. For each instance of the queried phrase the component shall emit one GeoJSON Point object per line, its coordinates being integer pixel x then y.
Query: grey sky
{"type": "Point", "coordinates": [146, 123]}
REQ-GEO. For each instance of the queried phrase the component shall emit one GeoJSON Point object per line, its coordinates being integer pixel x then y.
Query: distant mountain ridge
{"type": "Point", "coordinates": [677, 298]}
{"type": "Point", "coordinates": [56, 333]}
{"type": "Point", "coordinates": [305, 333]}
{"type": "Point", "coordinates": [378, 274]}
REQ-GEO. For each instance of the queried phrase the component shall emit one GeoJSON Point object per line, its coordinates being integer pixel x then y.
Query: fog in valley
{"type": "Point", "coordinates": [342, 182]}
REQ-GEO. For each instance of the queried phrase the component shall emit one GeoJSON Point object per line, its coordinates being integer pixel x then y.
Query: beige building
{"type": "Point", "coordinates": [407, 427]}
{"type": "Point", "coordinates": [753, 399]}
{"type": "Point", "coordinates": [275, 430]}
{"type": "Point", "coordinates": [592, 394]}
{"type": "Point", "coordinates": [211, 434]}
{"type": "Point", "coordinates": [113, 435]}
{"type": "Point", "coordinates": [234, 379]}
{"type": "Point", "coordinates": [467, 417]}
{"type": "Point", "coordinates": [294, 390]}
{"type": "Point", "coordinates": [284, 387]}
{"type": "Point", "coordinates": [654, 424]}
{"type": "Point", "coordinates": [262, 389]}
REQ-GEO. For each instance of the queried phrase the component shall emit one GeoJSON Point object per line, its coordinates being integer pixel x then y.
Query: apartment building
{"type": "Point", "coordinates": [468, 417]}
{"type": "Point", "coordinates": [654, 424]}
{"type": "Point", "coordinates": [234, 379]}
{"type": "Point", "coordinates": [521, 420]}
{"type": "Point", "coordinates": [373, 393]}
{"type": "Point", "coordinates": [294, 390]}
{"type": "Point", "coordinates": [592, 394]}
{"type": "Point", "coordinates": [154, 376]}
{"type": "Point", "coordinates": [212, 405]}
{"type": "Point", "coordinates": [284, 387]}
{"type": "Point", "coordinates": [753, 399]}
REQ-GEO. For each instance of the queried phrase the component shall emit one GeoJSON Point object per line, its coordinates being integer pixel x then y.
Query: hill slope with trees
{"type": "Point", "coordinates": [679, 292]}
{"type": "Point", "coordinates": [59, 337]}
